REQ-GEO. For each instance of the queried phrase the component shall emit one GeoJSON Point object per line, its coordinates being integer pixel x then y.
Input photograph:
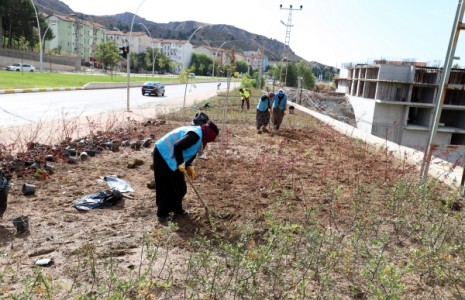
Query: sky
{"type": "Point", "coordinates": [331, 32]}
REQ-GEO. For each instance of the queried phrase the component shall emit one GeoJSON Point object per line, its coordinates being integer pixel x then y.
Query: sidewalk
{"type": "Point", "coordinates": [439, 169]}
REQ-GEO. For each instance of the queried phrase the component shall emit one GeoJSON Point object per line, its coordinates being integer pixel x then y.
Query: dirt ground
{"type": "Point", "coordinates": [242, 176]}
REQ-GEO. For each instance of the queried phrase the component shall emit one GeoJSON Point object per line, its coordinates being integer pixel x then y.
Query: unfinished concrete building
{"type": "Point", "coordinates": [396, 101]}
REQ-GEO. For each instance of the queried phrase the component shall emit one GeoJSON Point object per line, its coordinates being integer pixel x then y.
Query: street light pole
{"type": "Point", "coordinates": [40, 38]}
{"type": "Point", "coordinates": [183, 53]}
{"type": "Point", "coordinates": [214, 54]}
{"type": "Point", "coordinates": [213, 58]}
{"type": "Point", "coordinates": [129, 57]}
{"type": "Point", "coordinates": [188, 41]}
{"type": "Point", "coordinates": [153, 51]}
{"type": "Point", "coordinates": [219, 50]}
{"type": "Point", "coordinates": [45, 33]}
{"type": "Point", "coordinates": [260, 56]}
{"type": "Point", "coordinates": [122, 37]}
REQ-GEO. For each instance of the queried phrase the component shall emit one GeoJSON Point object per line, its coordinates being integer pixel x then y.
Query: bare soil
{"type": "Point", "coordinates": [243, 175]}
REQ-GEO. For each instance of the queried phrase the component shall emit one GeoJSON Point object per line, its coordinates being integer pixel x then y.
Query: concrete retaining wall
{"type": "Point", "coordinates": [50, 63]}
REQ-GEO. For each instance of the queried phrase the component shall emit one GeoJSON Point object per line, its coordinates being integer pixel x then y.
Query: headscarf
{"type": "Point", "coordinates": [209, 132]}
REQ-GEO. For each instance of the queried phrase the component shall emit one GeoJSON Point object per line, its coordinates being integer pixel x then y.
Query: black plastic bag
{"type": "Point", "coordinates": [4, 187]}
{"type": "Point", "coordinates": [102, 199]}
{"type": "Point", "coordinates": [200, 118]}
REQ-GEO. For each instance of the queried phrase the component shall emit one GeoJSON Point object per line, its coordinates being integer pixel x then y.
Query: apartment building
{"type": "Point", "coordinates": [80, 38]}
{"type": "Point", "coordinates": [396, 101]}
{"type": "Point", "coordinates": [75, 36]}
{"type": "Point", "coordinates": [138, 41]}
{"type": "Point", "coordinates": [119, 38]}
{"type": "Point", "coordinates": [256, 60]}
{"type": "Point", "coordinates": [179, 51]}
{"type": "Point", "coordinates": [213, 53]}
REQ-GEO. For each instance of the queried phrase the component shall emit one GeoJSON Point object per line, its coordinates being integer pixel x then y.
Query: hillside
{"type": "Point", "coordinates": [216, 33]}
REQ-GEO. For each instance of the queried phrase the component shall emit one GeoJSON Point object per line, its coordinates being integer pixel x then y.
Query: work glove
{"type": "Point", "coordinates": [182, 167]}
{"type": "Point", "coordinates": [191, 172]}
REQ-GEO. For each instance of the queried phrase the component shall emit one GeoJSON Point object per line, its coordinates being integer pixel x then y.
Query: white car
{"type": "Point", "coordinates": [21, 67]}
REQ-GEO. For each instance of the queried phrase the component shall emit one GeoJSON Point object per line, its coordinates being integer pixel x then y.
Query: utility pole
{"type": "Point", "coordinates": [260, 55]}
{"type": "Point", "coordinates": [288, 33]}
{"type": "Point", "coordinates": [441, 95]}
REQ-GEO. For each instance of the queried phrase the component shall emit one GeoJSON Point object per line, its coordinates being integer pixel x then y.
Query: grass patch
{"type": "Point", "coordinates": [20, 80]}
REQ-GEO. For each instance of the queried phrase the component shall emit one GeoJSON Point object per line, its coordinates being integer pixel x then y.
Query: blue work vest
{"type": "Point", "coordinates": [280, 103]}
{"type": "Point", "coordinates": [165, 145]}
{"type": "Point", "coordinates": [263, 105]}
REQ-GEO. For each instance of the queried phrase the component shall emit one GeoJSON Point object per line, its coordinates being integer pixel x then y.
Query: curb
{"type": "Point", "coordinates": [34, 90]}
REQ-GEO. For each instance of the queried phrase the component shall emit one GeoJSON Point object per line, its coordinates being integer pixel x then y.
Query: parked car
{"type": "Point", "coordinates": [153, 88]}
{"type": "Point", "coordinates": [191, 75]}
{"type": "Point", "coordinates": [21, 67]}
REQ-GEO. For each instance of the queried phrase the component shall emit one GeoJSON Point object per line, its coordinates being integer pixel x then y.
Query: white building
{"type": "Point", "coordinates": [396, 101]}
{"type": "Point", "coordinates": [137, 41]}
{"type": "Point", "coordinates": [118, 37]}
{"type": "Point", "coordinates": [180, 52]}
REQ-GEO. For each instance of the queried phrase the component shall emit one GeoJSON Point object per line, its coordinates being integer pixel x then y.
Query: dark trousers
{"type": "Point", "coordinates": [245, 101]}
{"type": "Point", "coordinates": [263, 119]}
{"type": "Point", "coordinates": [3, 200]}
{"type": "Point", "coordinates": [278, 116]}
{"type": "Point", "coordinates": [170, 186]}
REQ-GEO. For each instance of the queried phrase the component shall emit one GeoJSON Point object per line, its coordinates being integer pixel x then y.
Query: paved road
{"type": "Point", "coordinates": [28, 108]}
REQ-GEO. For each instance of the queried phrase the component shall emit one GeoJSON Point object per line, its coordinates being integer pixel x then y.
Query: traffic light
{"type": "Point", "coordinates": [123, 51]}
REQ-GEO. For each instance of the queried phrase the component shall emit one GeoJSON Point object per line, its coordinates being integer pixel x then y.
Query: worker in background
{"type": "Point", "coordinates": [245, 97]}
{"type": "Point", "coordinates": [279, 109]}
{"type": "Point", "coordinates": [263, 112]}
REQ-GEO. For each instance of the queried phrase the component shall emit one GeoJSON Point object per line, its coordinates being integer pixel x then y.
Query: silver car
{"type": "Point", "coordinates": [21, 67]}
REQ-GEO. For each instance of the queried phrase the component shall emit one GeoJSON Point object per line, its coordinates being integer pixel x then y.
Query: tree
{"type": "Point", "coordinates": [162, 63]}
{"type": "Point", "coordinates": [255, 80]}
{"type": "Point", "coordinates": [201, 64]}
{"type": "Point", "coordinates": [274, 72]}
{"type": "Point", "coordinates": [19, 24]}
{"type": "Point", "coordinates": [306, 74]}
{"type": "Point", "coordinates": [292, 76]}
{"type": "Point", "coordinates": [138, 62]}
{"type": "Point", "coordinates": [107, 54]}
{"type": "Point", "coordinates": [247, 82]}
{"type": "Point", "coordinates": [242, 67]}
{"type": "Point", "coordinates": [294, 71]}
